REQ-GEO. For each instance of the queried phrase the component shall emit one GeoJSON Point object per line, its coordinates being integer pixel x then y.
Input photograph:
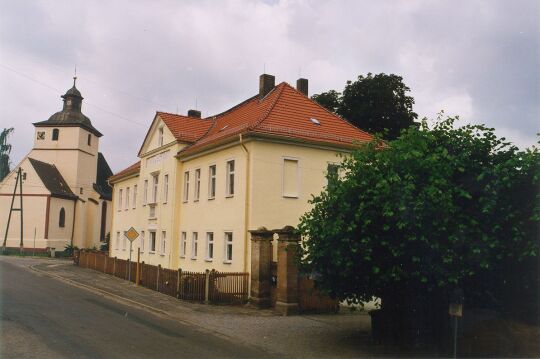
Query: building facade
{"type": "Point", "coordinates": [202, 184]}
{"type": "Point", "coordinates": [66, 197]}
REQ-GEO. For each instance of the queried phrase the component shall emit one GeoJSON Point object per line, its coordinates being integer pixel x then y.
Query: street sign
{"type": "Point", "coordinates": [131, 234]}
{"type": "Point", "coordinates": [455, 310]}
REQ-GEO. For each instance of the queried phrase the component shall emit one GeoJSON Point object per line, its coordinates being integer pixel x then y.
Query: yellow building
{"type": "Point", "coordinates": [66, 196]}
{"type": "Point", "coordinates": [201, 184]}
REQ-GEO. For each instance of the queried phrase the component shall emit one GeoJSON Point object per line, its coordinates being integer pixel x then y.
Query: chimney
{"type": "Point", "coordinates": [266, 84]}
{"type": "Point", "coordinates": [302, 86]}
{"type": "Point", "coordinates": [194, 113]}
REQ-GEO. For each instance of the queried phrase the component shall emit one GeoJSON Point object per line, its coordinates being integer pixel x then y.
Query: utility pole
{"type": "Point", "coordinates": [18, 181]}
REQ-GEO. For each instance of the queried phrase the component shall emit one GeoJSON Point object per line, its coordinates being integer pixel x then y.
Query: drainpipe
{"type": "Point", "coordinates": [246, 204]}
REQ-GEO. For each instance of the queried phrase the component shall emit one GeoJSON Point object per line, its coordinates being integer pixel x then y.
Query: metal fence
{"type": "Point", "coordinates": [207, 287]}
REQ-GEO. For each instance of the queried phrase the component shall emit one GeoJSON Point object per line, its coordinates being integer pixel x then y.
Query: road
{"type": "Point", "coordinates": [42, 317]}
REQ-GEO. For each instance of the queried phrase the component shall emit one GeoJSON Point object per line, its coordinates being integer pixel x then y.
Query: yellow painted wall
{"type": "Point", "coordinates": [58, 236]}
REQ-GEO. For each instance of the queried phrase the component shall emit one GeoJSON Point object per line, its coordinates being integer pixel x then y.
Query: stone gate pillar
{"type": "Point", "coordinates": [287, 271]}
{"type": "Point", "coordinates": [261, 258]}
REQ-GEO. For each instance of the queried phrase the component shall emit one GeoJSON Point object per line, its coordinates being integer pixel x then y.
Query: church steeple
{"type": "Point", "coordinates": [72, 98]}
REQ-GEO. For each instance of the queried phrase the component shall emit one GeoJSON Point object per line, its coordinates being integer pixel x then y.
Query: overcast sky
{"type": "Point", "coordinates": [476, 59]}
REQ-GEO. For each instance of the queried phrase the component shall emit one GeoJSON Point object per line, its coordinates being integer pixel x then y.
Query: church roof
{"type": "Point", "coordinates": [52, 179]}
{"type": "Point", "coordinates": [103, 172]}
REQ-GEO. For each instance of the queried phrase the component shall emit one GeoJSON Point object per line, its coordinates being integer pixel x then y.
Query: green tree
{"type": "Point", "coordinates": [375, 103]}
{"type": "Point", "coordinates": [437, 209]}
{"type": "Point", "coordinates": [5, 150]}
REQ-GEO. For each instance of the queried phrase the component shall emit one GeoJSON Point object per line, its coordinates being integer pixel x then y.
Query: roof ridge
{"type": "Point", "coordinates": [272, 105]}
{"type": "Point", "coordinates": [176, 114]}
{"type": "Point", "coordinates": [213, 117]}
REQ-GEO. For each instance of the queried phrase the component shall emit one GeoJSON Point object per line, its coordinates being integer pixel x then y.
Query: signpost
{"type": "Point", "coordinates": [456, 310]}
{"type": "Point", "coordinates": [131, 234]}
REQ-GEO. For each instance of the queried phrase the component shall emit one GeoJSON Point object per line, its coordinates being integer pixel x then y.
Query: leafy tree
{"type": "Point", "coordinates": [375, 103]}
{"type": "Point", "coordinates": [437, 209]}
{"type": "Point", "coordinates": [5, 150]}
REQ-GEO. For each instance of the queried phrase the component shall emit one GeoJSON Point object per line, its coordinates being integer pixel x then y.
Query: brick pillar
{"type": "Point", "coordinates": [261, 257]}
{"type": "Point", "coordinates": [287, 271]}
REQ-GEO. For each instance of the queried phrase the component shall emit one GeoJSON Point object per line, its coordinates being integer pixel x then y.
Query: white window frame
{"type": "Point", "coordinates": [212, 181]}
{"type": "Point", "coordinates": [229, 189]}
{"type": "Point", "coordinates": [120, 198]}
{"type": "Point", "coordinates": [127, 199]}
{"type": "Point", "coordinates": [152, 241]}
{"type": "Point", "coordinates": [183, 244]}
{"type": "Point", "coordinates": [185, 197]}
{"type": "Point", "coordinates": [160, 136]}
{"type": "Point", "coordinates": [124, 242]}
{"type": "Point", "coordinates": [141, 241]}
{"type": "Point", "coordinates": [194, 244]}
{"type": "Point", "coordinates": [163, 243]}
{"type": "Point", "coordinates": [165, 187]}
{"type": "Point", "coordinates": [134, 197]}
{"type": "Point", "coordinates": [117, 242]}
{"type": "Point", "coordinates": [197, 185]}
{"type": "Point", "coordinates": [145, 194]}
{"type": "Point", "coordinates": [283, 194]}
{"type": "Point", "coordinates": [210, 241]}
{"type": "Point", "coordinates": [155, 188]}
{"type": "Point", "coordinates": [227, 242]}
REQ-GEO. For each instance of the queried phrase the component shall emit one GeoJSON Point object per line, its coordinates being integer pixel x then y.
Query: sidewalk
{"type": "Point", "coordinates": [343, 335]}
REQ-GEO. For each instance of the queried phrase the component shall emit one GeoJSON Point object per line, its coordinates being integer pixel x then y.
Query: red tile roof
{"type": "Point", "coordinates": [134, 168]}
{"type": "Point", "coordinates": [185, 128]}
{"type": "Point", "coordinates": [284, 112]}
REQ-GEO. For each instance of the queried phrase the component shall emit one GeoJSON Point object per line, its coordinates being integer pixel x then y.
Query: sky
{"type": "Point", "coordinates": [476, 59]}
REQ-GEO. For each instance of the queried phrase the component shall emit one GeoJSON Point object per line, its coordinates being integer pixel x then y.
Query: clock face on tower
{"type": "Point", "coordinates": [41, 135]}
{"type": "Point", "coordinates": [68, 102]}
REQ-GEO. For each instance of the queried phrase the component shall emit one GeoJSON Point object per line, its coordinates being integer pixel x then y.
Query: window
{"type": "Point", "coordinates": [134, 196]}
{"type": "Point", "coordinates": [290, 178]}
{"type": "Point", "coordinates": [183, 244]}
{"type": "Point", "coordinates": [165, 188]}
{"type": "Point", "coordinates": [186, 186]}
{"type": "Point", "coordinates": [194, 244]}
{"type": "Point", "coordinates": [120, 192]}
{"type": "Point", "coordinates": [55, 134]}
{"type": "Point", "coordinates": [209, 246]}
{"type": "Point", "coordinates": [142, 241]}
{"type": "Point", "coordinates": [155, 182]}
{"type": "Point", "coordinates": [145, 194]}
{"type": "Point", "coordinates": [212, 182]}
{"type": "Point", "coordinates": [89, 140]}
{"type": "Point", "coordinates": [152, 241]}
{"type": "Point", "coordinates": [163, 242]}
{"type": "Point", "coordinates": [124, 242]}
{"type": "Point", "coordinates": [230, 178]}
{"type": "Point", "coordinates": [228, 247]}
{"type": "Point", "coordinates": [332, 173]}
{"type": "Point", "coordinates": [197, 192]}
{"type": "Point", "coordinates": [62, 218]}
{"type": "Point", "coordinates": [127, 199]}
{"type": "Point", "coordinates": [160, 137]}
{"type": "Point", "coordinates": [117, 242]}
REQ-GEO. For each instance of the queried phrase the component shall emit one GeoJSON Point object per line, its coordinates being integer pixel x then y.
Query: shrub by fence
{"type": "Point", "coordinates": [209, 287]}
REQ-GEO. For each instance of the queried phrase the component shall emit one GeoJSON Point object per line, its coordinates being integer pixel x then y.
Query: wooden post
{"type": "Point", "coordinates": [95, 261]}
{"type": "Point", "coordinates": [105, 265]}
{"type": "Point", "coordinates": [114, 267]}
{"type": "Point", "coordinates": [179, 276]}
{"type": "Point", "coordinates": [138, 274]}
{"type": "Point", "coordinates": [157, 281]}
{"type": "Point", "coordinates": [206, 286]}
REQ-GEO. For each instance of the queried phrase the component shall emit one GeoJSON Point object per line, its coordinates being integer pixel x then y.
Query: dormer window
{"type": "Point", "coordinates": [55, 134]}
{"type": "Point", "coordinates": [160, 137]}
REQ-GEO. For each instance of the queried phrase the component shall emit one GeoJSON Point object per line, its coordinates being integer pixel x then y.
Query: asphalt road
{"type": "Point", "coordinates": [42, 317]}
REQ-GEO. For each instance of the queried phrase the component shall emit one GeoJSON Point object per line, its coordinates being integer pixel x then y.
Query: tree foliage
{"type": "Point", "coordinates": [5, 150]}
{"type": "Point", "coordinates": [436, 209]}
{"type": "Point", "coordinates": [375, 103]}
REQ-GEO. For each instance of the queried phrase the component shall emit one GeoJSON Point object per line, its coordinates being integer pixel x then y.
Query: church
{"type": "Point", "coordinates": [66, 199]}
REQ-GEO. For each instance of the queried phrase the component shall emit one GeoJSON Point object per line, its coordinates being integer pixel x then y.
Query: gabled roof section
{"type": "Point", "coordinates": [103, 172]}
{"type": "Point", "coordinates": [184, 128]}
{"type": "Point", "coordinates": [131, 170]}
{"type": "Point", "coordinates": [52, 179]}
{"type": "Point", "coordinates": [284, 112]}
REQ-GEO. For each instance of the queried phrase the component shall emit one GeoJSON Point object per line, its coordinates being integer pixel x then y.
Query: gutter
{"type": "Point", "coordinates": [246, 204]}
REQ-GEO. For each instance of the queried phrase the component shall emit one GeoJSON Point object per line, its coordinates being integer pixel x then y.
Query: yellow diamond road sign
{"type": "Point", "coordinates": [131, 234]}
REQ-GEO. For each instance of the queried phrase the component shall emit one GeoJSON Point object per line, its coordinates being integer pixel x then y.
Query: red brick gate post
{"type": "Point", "coordinates": [261, 258]}
{"type": "Point", "coordinates": [287, 271]}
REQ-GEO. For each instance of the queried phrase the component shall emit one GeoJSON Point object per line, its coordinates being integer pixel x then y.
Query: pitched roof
{"type": "Point", "coordinates": [52, 179]}
{"type": "Point", "coordinates": [103, 172]}
{"type": "Point", "coordinates": [284, 112]}
{"type": "Point", "coordinates": [133, 169]}
{"type": "Point", "coordinates": [185, 128]}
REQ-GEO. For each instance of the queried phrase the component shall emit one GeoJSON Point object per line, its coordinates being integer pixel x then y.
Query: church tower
{"type": "Point", "coordinates": [69, 140]}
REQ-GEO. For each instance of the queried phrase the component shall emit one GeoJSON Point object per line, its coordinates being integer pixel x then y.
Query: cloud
{"type": "Point", "coordinates": [478, 59]}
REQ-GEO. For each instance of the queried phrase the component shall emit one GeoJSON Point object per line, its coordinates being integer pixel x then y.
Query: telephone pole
{"type": "Point", "coordinates": [18, 181]}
